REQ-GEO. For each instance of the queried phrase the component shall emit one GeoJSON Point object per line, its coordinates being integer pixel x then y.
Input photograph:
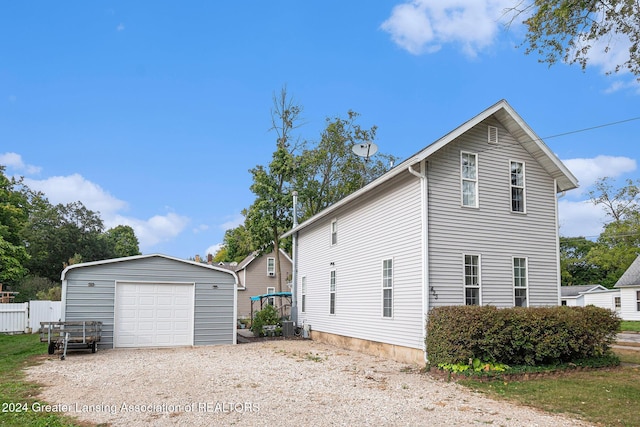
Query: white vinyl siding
{"type": "Point", "coordinates": [387, 288]}
{"type": "Point", "coordinates": [520, 282]}
{"type": "Point", "coordinates": [469, 178]}
{"type": "Point", "coordinates": [394, 213]}
{"type": "Point", "coordinates": [472, 279]}
{"type": "Point", "coordinates": [518, 192]}
{"type": "Point", "coordinates": [332, 292]}
{"type": "Point", "coordinates": [492, 230]}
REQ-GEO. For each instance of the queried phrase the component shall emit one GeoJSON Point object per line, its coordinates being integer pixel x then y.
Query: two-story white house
{"type": "Point", "coordinates": [470, 219]}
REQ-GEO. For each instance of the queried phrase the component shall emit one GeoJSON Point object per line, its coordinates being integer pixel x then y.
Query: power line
{"type": "Point", "coordinates": [593, 127]}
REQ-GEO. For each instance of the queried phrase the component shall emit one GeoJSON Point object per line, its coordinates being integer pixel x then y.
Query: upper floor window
{"type": "Point", "coordinates": [517, 187]}
{"type": "Point", "coordinates": [304, 294]}
{"type": "Point", "coordinates": [469, 176]}
{"type": "Point", "coordinates": [334, 232]}
{"type": "Point", "coordinates": [472, 279]}
{"type": "Point", "coordinates": [332, 293]}
{"type": "Point", "coordinates": [387, 288]}
{"type": "Point", "coordinates": [271, 300]}
{"type": "Point", "coordinates": [520, 282]}
{"type": "Point", "coordinates": [271, 266]}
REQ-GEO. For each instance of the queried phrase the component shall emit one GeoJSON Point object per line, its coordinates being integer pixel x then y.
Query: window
{"type": "Point", "coordinates": [520, 281]}
{"type": "Point", "coordinates": [304, 294]}
{"type": "Point", "coordinates": [332, 293]}
{"type": "Point", "coordinates": [517, 187]}
{"type": "Point", "coordinates": [472, 280]}
{"type": "Point", "coordinates": [334, 232]}
{"type": "Point", "coordinates": [638, 300]}
{"type": "Point", "coordinates": [564, 302]}
{"type": "Point", "coordinates": [271, 300]}
{"type": "Point", "coordinates": [387, 288]}
{"type": "Point", "coordinates": [617, 302]}
{"type": "Point", "coordinates": [271, 267]}
{"type": "Point", "coordinates": [469, 175]}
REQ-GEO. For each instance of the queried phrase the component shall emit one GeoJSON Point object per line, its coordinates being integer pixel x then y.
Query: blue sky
{"type": "Point", "coordinates": [152, 113]}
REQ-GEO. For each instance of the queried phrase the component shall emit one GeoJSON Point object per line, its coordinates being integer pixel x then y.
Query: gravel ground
{"type": "Point", "coordinates": [264, 383]}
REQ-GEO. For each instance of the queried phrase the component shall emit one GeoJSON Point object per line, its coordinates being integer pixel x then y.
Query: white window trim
{"type": "Point", "coordinates": [303, 291]}
{"type": "Point", "coordinates": [271, 269]}
{"type": "Point", "coordinates": [334, 232]}
{"type": "Point", "coordinates": [383, 288]}
{"type": "Point", "coordinates": [271, 300]}
{"type": "Point", "coordinates": [462, 180]}
{"type": "Point", "coordinates": [333, 287]}
{"type": "Point", "coordinates": [464, 277]}
{"type": "Point", "coordinates": [513, 279]}
{"type": "Point", "coordinates": [524, 188]}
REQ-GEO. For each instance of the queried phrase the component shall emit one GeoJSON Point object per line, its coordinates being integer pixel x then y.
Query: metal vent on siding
{"type": "Point", "coordinates": [492, 135]}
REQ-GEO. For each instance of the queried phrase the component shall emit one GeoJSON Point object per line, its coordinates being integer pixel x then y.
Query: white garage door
{"type": "Point", "coordinates": [153, 314]}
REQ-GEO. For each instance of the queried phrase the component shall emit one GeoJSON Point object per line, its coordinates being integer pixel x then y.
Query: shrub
{"type": "Point", "coordinates": [519, 336]}
{"type": "Point", "coordinates": [266, 316]}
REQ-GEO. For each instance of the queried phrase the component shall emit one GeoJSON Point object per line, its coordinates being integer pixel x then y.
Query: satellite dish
{"type": "Point", "coordinates": [365, 150]}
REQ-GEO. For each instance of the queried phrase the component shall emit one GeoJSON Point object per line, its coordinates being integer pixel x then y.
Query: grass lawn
{"type": "Point", "coordinates": [601, 396]}
{"type": "Point", "coordinates": [627, 325]}
{"type": "Point", "coordinates": [16, 395]}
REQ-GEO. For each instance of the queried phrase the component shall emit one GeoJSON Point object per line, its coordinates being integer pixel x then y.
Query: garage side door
{"type": "Point", "coordinates": [153, 314]}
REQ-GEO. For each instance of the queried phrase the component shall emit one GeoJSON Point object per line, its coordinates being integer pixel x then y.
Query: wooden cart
{"type": "Point", "coordinates": [59, 335]}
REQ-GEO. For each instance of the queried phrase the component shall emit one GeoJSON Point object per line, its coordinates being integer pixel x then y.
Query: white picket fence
{"type": "Point", "coordinates": [25, 317]}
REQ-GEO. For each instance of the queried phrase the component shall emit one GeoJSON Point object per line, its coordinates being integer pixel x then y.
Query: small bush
{"type": "Point", "coordinates": [519, 336]}
{"type": "Point", "coordinates": [266, 316]}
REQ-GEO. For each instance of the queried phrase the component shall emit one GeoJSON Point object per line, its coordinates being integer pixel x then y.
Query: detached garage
{"type": "Point", "coordinates": [152, 301]}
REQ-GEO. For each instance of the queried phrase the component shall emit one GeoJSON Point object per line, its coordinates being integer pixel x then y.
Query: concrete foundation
{"type": "Point", "coordinates": [390, 351]}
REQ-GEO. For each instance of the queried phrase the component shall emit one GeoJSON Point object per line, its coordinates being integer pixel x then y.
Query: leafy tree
{"type": "Point", "coordinates": [14, 212]}
{"type": "Point", "coordinates": [618, 204]}
{"type": "Point", "coordinates": [575, 268]}
{"type": "Point", "coordinates": [331, 171]}
{"type": "Point", "coordinates": [121, 241]}
{"type": "Point", "coordinates": [569, 30]}
{"type": "Point", "coordinates": [270, 214]}
{"type": "Point", "coordinates": [30, 286]}
{"type": "Point", "coordinates": [52, 294]}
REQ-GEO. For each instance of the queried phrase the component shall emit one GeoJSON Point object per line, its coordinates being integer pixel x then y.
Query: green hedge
{"type": "Point", "coordinates": [519, 336]}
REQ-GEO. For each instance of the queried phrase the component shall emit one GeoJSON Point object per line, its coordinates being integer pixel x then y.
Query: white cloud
{"type": "Point", "coordinates": [420, 26]}
{"type": "Point", "coordinates": [580, 218]}
{"type": "Point", "coordinates": [200, 228]}
{"type": "Point", "coordinates": [72, 188]}
{"type": "Point", "coordinates": [15, 162]}
{"type": "Point", "coordinates": [232, 222]}
{"type": "Point", "coordinates": [589, 170]}
{"type": "Point", "coordinates": [157, 229]}
{"type": "Point", "coordinates": [213, 249]}
{"type": "Point", "coordinates": [67, 189]}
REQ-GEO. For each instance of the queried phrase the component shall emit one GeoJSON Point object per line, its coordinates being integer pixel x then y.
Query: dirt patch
{"type": "Point", "coordinates": [264, 383]}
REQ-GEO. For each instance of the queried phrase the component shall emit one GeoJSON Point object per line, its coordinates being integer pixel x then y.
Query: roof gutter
{"type": "Point", "coordinates": [424, 236]}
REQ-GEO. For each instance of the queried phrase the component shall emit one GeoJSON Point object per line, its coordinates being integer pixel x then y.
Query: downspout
{"type": "Point", "coordinates": [424, 214]}
{"type": "Point", "coordinates": [294, 259]}
{"type": "Point", "coordinates": [558, 266]}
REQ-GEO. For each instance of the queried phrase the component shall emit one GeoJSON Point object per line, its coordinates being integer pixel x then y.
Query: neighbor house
{"type": "Point", "coordinates": [470, 219]}
{"type": "Point", "coordinates": [257, 275]}
{"type": "Point", "coordinates": [629, 286]}
{"type": "Point", "coordinates": [583, 295]}
{"type": "Point", "coordinates": [152, 301]}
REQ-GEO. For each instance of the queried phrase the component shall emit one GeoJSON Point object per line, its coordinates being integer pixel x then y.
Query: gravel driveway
{"type": "Point", "coordinates": [263, 383]}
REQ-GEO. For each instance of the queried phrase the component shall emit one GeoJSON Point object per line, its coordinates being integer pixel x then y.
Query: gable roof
{"type": "Point", "coordinates": [249, 259]}
{"type": "Point", "coordinates": [575, 291]}
{"type": "Point", "coordinates": [631, 277]}
{"type": "Point", "coordinates": [508, 117]}
{"type": "Point", "coordinates": [130, 258]}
